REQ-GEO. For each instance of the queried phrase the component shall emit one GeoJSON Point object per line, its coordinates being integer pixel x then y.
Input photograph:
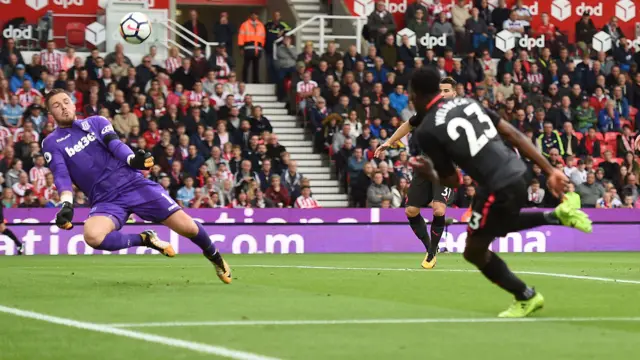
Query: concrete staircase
{"type": "Point", "coordinates": [306, 9]}
{"type": "Point", "coordinates": [315, 167]}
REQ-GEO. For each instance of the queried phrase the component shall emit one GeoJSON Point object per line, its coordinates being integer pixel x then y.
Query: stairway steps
{"type": "Point", "coordinates": [316, 176]}
{"type": "Point", "coordinates": [313, 170]}
{"type": "Point", "coordinates": [288, 130]}
{"type": "Point", "coordinates": [321, 197]}
{"type": "Point", "coordinates": [264, 98]}
{"type": "Point", "coordinates": [307, 7]}
{"type": "Point", "coordinates": [261, 89]}
{"type": "Point", "coordinates": [333, 203]}
{"type": "Point", "coordinates": [298, 156]}
{"type": "Point", "coordinates": [310, 163]}
{"type": "Point", "coordinates": [316, 30]}
{"type": "Point", "coordinates": [270, 105]}
{"type": "Point", "coordinates": [281, 117]}
{"type": "Point", "coordinates": [270, 111]}
{"type": "Point", "coordinates": [283, 124]}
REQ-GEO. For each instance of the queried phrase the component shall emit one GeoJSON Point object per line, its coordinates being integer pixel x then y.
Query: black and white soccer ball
{"type": "Point", "coordinates": [135, 27]}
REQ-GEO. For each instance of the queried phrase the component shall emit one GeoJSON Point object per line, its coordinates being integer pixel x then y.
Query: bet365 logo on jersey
{"type": "Point", "coordinates": [81, 145]}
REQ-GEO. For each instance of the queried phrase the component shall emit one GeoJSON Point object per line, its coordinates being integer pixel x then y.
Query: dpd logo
{"type": "Point", "coordinates": [397, 8]}
{"type": "Point", "coordinates": [534, 8]}
{"type": "Point", "coordinates": [363, 7]}
{"type": "Point", "coordinates": [601, 42]}
{"type": "Point", "coordinates": [625, 10]}
{"type": "Point", "coordinates": [430, 42]}
{"type": "Point", "coordinates": [17, 33]}
{"type": "Point", "coordinates": [593, 10]}
{"type": "Point", "coordinates": [529, 43]}
{"type": "Point", "coordinates": [67, 3]}
{"type": "Point", "coordinates": [561, 9]}
{"type": "Point", "coordinates": [37, 4]}
{"type": "Point", "coordinates": [506, 40]}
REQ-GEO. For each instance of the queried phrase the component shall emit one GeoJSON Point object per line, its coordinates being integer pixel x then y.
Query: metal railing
{"type": "Point", "coordinates": [185, 34]}
{"type": "Point", "coordinates": [359, 23]}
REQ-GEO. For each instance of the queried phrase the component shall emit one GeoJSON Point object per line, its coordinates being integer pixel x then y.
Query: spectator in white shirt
{"type": "Point", "coordinates": [522, 13]}
{"type": "Point", "coordinates": [514, 25]}
{"type": "Point", "coordinates": [579, 174]}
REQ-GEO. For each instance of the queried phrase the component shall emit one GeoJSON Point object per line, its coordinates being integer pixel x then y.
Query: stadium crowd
{"type": "Point", "coordinates": [578, 106]}
{"type": "Point", "coordinates": [213, 146]}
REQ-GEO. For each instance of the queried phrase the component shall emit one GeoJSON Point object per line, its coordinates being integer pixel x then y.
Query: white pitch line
{"type": "Point", "coordinates": [374, 321]}
{"type": "Point", "coordinates": [536, 273]}
{"type": "Point", "coordinates": [557, 275]}
{"type": "Point", "coordinates": [184, 344]}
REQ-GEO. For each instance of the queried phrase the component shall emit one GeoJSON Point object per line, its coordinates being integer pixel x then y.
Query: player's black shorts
{"type": "Point", "coordinates": [422, 192]}
{"type": "Point", "coordinates": [496, 214]}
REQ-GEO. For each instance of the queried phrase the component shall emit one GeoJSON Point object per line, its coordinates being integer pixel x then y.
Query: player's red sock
{"type": "Point", "coordinates": [116, 240]}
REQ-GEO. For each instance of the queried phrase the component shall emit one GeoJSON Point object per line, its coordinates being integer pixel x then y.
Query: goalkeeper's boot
{"type": "Point", "coordinates": [151, 240]}
{"type": "Point", "coordinates": [574, 218]}
{"type": "Point", "coordinates": [428, 263]}
{"type": "Point", "coordinates": [222, 268]}
{"type": "Point", "coordinates": [523, 308]}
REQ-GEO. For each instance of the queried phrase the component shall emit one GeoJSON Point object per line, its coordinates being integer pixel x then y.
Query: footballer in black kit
{"type": "Point", "coordinates": [4, 230]}
{"type": "Point", "coordinates": [461, 131]}
{"type": "Point", "coordinates": [422, 192]}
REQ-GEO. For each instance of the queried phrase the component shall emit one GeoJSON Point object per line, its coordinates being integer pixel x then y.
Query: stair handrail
{"type": "Point", "coordinates": [359, 22]}
{"type": "Point", "coordinates": [178, 29]}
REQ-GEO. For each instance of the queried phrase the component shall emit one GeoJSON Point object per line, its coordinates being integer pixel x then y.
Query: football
{"type": "Point", "coordinates": [135, 28]}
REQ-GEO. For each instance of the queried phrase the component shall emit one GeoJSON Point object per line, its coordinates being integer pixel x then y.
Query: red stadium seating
{"type": "Point", "coordinates": [597, 161]}
{"type": "Point", "coordinates": [611, 137]}
{"type": "Point", "coordinates": [619, 160]}
{"type": "Point", "coordinates": [599, 136]}
{"type": "Point", "coordinates": [627, 122]}
{"type": "Point", "coordinates": [632, 112]}
{"type": "Point", "coordinates": [605, 146]}
{"type": "Point", "coordinates": [578, 136]}
{"type": "Point", "coordinates": [75, 35]}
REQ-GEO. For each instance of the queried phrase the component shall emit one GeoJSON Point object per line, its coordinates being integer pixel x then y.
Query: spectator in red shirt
{"type": "Point", "coordinates": [277, 193]}
{"type": "Point", "coordinates": [152, 135]}
{"type": "Point", "coordinates": [598, 100]}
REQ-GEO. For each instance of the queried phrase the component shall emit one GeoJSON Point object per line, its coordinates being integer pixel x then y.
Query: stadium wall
{"type": "Point", "coordinates": [249, 231]}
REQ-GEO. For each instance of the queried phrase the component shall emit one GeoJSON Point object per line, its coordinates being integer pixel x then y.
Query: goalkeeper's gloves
{"type": "Point", "coordinates": [65, 216]}
{"type": "Point", "coordinates": [141, 160]}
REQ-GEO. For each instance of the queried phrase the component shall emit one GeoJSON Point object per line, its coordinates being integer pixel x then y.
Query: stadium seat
{"type": "Point", "coordinates": [578, 136]}
{"type": "Point", "coordinates": [611, 137]}
{"type": "Point", "coordinates": [632, 112]}
{"type": "Point", "coordinates": [75, 35]}
{"type": "Point", "coordinates": [606, 146]}
{"type": "Point", "coordinates": [627, 122]}
{"type": "Point", "coordinates": [599, 136]}
{"type": "Point", "coordinates": [597, 161]}
{"type": "Point", "coordinates": [619, 160]}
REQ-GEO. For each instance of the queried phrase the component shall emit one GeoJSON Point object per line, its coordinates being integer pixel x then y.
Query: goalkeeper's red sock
{"type": "Point", "coordinates": [116, 240]}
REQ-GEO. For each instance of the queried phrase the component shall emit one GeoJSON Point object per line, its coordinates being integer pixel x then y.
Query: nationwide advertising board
{"type": "Point", "coordinates": [249, 231]}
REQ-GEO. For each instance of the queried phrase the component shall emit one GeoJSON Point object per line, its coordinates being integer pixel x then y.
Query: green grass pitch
{"type": "Point", "coordinates": [587, 316]}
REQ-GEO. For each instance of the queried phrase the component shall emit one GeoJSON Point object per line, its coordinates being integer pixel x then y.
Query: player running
{"type": "Point", "coordinates": [423, 192]}
{"type": "Point", "coordinates": [89, 154]}
{"type": "Point", "coordinates": [4, 230]}
{"type": "Point", "coordinates": [460, 131]}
